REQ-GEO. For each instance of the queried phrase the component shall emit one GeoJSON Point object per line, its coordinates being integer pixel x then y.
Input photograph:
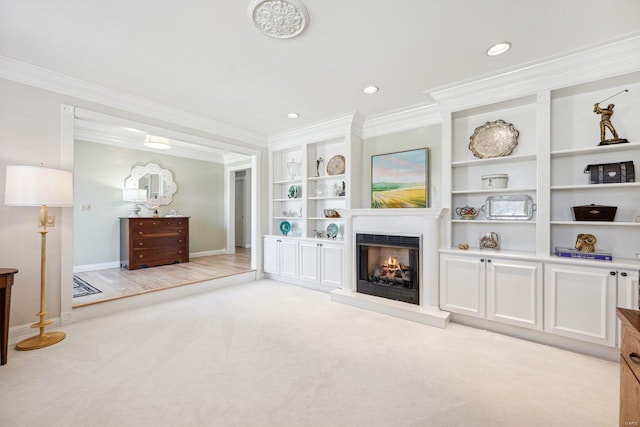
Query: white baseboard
{"type": "Point", "coordinates": [93, 267]}
{"type": "Point", "coordinates": [20, 332]}
{"type": "Point", "coordinates": [207, 253]}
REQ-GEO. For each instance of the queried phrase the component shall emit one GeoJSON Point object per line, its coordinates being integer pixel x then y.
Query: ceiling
{"type": "Point", "coordinates": [206, 57]}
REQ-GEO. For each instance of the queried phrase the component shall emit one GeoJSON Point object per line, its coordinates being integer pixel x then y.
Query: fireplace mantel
{"type": "Point", "coordinates": [410, 221]}
{"type": "Point", "coordinates": [424, 213]}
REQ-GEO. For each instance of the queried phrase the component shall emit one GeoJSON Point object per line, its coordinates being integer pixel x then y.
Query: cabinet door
{"type": "Point", "coordinates": [289, 258]}
{"type": "Point", "coordinates": [310, 261]}
{"type": "Point", "coordinates": [580, 303]}
{"type": "Point", "coordinates": [331, 265]}
{"type": "Point", "coordinates": [628, 289]}
{"type": "Point", "coordinates": [514, 292]}
{"type": "Point", "coordinates": [462, 284]}
{"type": "Point", "coordinates": [271, 259]}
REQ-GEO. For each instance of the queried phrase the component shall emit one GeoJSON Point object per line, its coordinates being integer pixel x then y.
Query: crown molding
{"type": "Point", "coordinates": [600, 62]}
{"type": "Point", "coordinates": [334, 128]}
{"type": "Point", "coordinates": [21, 72]}
{"type": "Point", "coordinates": [412, 118]}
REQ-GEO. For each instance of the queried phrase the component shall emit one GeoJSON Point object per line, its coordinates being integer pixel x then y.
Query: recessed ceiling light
{"type": "Point", "coordinates": [370, 89]}
{"type": "Point", "coordinates": [157, 142]}
{"type": "Point", "coordinates": [498, 48]}
{"type": "Point", "coordinates": [293, 115]}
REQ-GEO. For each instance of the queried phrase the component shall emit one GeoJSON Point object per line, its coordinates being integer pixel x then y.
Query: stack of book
{"type": "Point", "coordinates": [574, 253]}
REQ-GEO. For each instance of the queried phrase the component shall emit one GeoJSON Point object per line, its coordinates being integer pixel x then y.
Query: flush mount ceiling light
{"type": "Point", "coordinates": [370, 89]}
{"type": "Point", "coordinates": [157, 142]}
{"type": "Point", "coordinates": [498, 48]}
{"type": "Point", "coordinates": [280, 19]}
{"type": "Point", "coordinates": [293, 115]}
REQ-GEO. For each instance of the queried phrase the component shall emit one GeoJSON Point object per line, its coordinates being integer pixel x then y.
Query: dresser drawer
{"type": "Point", "coordinates": [155, 241]}
{"type": "Point", "coordinates": [630, 348]}
{"type": "Point", "coordinates": [159, 256]}
{"type": "Point", "coordinates": [158, 224]}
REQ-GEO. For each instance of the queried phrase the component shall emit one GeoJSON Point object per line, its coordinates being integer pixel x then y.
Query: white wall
{"type": "Point", "coordinates": [99, 174]}
{"type": "Point", "coordinates": [430, 137]}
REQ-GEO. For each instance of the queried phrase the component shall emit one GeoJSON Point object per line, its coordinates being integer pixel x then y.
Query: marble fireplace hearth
{"type": "Point", "coordinates": [425, 223]}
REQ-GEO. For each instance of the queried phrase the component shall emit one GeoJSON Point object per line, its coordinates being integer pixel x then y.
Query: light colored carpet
{"type": "Point", "coordinates": [271, 354]}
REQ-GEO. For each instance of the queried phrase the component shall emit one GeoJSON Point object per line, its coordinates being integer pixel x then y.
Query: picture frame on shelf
{"type": "Point", "coordinates": [400, 179]}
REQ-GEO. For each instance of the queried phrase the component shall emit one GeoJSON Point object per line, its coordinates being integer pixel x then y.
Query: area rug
{"type": "Point", "coordinates": [82, 288]}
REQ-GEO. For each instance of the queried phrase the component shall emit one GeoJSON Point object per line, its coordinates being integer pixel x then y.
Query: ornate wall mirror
{"type": "Point", "coordinates": [157, 182]}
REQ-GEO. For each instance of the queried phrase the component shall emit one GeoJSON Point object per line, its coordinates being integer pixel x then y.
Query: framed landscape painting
{"type": "Point", "coordinates": [399, 180]}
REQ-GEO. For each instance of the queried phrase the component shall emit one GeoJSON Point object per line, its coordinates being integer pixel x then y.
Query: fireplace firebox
{"type": "Point", "coordinates": [388, 266]}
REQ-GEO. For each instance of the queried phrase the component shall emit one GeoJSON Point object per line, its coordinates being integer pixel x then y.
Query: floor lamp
{"type": "Point", "coordinates": [39, 186]}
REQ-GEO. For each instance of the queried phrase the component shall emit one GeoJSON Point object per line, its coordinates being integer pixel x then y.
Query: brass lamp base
{"type": "Point", "coordinates": [40, 341]}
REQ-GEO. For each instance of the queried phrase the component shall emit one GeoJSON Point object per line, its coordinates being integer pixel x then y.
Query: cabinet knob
{"type": "Point", "coordinates": [140, 223]}
{"type": "Point", "coordinates": [481, 259]}
{"type": "Point", "coordinates": [140, 233]}
{"type": "Point", "coordinates": [140, 244]}
{"type": "Point", "coordinates": [623, 274]}
{"type": "Point", "coordinates": [635, 358]}
{"type": "Point", "coordinates": [140, 256]}
{"type": "Point", "coordinates": [180, 241]}
{"type": "Point", "coordinates": [488, 260]}
{"type": "Point", "coordinates": [179, 252]}
{"type": "Point", "coordinates": [612, 273]}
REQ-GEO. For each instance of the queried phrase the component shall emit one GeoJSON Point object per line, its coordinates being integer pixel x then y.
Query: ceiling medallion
{"type": "Point", "coordinates": [281, 19]}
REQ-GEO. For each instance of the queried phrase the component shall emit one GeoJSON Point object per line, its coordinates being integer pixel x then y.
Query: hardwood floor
{"type": "Point", "coordinates": [118, 283]}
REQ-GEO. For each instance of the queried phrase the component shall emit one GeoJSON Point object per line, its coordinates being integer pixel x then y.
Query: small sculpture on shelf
{"type": "Point", "coordinates": [318, 163]}
{"type": "Point", "coordinates": [605, 122]}
{"type": "Point", "coordinates": [156, 214]}
{"type": "Point", "coordinates": [586, 243]}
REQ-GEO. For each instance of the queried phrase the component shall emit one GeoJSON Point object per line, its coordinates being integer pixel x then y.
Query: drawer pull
{"type": "Point", "coordinates": [635, 358]}
{"type": "Point", "coordinates": [141, 232]}
{"type": "Point", "coordinates": [179, 252]}
{"type": "Point", "coordinates": [140, 244]}
{"type": "Point", "coordinates": [140, 256]}
{"type": "Point", "coordinates": [180, 241]}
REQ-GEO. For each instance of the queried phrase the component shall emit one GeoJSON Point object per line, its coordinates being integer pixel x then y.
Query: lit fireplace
{"type": "Point", "coordinates": [388, 266]}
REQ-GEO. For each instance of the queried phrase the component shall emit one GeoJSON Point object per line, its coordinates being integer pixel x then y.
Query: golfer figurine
{"type": "Point", "coordinates": [605, 122]}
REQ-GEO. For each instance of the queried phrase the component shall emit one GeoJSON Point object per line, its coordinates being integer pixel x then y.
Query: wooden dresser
{"type": "Point", "coordinates": [148, 242]}
{"type": "Point", "coordinates": [630, 367]}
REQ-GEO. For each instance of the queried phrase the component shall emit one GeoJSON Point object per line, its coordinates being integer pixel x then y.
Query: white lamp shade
{"type": "Point", "coordinates": [37, 186]}
{"type": "Point", "coordinates": [134, 195]}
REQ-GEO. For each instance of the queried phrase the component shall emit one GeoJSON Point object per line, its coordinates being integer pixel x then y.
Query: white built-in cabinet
{"type": "Point", "coordinates": [280, 257]}
{"type": "Point", "coordinates": [503, 290]}
{"type": "Point", "coordinates": [524, 283]}
{"type": "Point", "coordinates": [304, 192]}
{"type": "Point", "coordinates": [580, 302]}
{"type": "Point", "coordinates": [321, 262]}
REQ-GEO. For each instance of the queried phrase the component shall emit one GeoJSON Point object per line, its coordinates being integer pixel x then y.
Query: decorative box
{"type": "Point", "coordinates": [610, 173]}
{"type": "Point", "coordinates": [594, 212]}
{"type": "Point", "coordinates": [498, 180]}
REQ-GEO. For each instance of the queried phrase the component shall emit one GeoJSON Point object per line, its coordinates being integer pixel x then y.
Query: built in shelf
{"type": "Point", "coordinates": [288, 200]}
{"type": "Point", "coordinates": [288, 181]}
{"type": "Point", "coordinates": [290, 218]}
{"type": "Point", "coordinates": [595, 186]}
{"type": "Point", "coordinates": [598, 223]}
{"type": "Point", "coordinates": [320, 178]}
{"type": "Point", "coordinates": [493, 160]}
{"type": "Point", "coordinates": [595, 149]}
{"type": "Point", "coordinates": [322, 218]}
{"type": "Point", "coordinates": [327, 198]}
{"type": "Point", "coordinates": [496, 191]}
{"type": "Point", "coordinates": [493, 221]}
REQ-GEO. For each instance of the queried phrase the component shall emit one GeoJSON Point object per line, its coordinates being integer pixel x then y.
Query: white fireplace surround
{"type": "Point", "coordinates": [404, 221]}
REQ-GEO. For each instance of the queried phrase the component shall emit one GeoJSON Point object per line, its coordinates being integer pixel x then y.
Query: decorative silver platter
{"type": "Point", "coordinates": [494, 139]}
{"type": "Point", "coordinates": [511, 207]}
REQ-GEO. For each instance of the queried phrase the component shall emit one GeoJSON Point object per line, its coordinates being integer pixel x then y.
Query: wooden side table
{"type": "Point", "coordinates": [6, 282]}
